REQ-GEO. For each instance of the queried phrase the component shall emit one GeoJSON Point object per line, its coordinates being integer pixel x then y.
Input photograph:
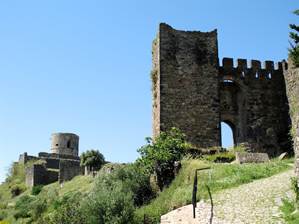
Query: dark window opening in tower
{"type": "Point", "coordinates": [227, 136]}
{"type": "Point", "coordinates": [68, 144]}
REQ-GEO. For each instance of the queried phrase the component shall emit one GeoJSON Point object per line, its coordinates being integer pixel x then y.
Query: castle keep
{"type": "Point", "coordinates": [193, 92]}
{"type": "Point", "coordinates": [62, 164]}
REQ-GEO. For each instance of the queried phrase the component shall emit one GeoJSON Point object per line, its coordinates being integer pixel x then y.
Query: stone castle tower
{"type": "Point", "coordinates": [193, 92]}
{"type": "Point", "coordinates": [65, 143]}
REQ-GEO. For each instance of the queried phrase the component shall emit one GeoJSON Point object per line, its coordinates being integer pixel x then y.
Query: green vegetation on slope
{"type": "Point", "coordinates": [221, 176]}
{"type": "Point", "coordinates": [54, 200]}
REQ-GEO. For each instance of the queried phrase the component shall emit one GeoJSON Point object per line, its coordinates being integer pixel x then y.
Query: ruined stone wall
{"type": "Point", "coordinates": [68, 169]}
{"type": "Point", "coordinates": [24, 158]}
{"type": "Point", "coordinates": [37, 174]}
{"type": "Point", "coordinates": [292, 80]}
{"type": "Point", "coordinates": [254, 103]}
{"type": "Point", "coordinates": [186, 93]}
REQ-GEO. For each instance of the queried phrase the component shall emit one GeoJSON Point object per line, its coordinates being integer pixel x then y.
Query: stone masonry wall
{"type": "Point", "coordinates": [38, 174]}
{"type": "Point", "coordinates": [187, 89]}
{"type": "Point", "coordinates": [254, 103]}
{"type": "Point", "coordinates": [68, 169]}
{"type": "Point", "coordinates": [292, 80]}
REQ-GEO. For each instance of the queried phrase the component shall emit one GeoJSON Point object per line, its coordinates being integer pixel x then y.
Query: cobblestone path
{"type": "Point", "coordinates": [253, 203]}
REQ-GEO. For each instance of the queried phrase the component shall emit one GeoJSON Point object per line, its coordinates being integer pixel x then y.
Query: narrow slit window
{"type": "Point", "coordinates": [68, 144]}
{"type": "Point", "coordinates": [243, 74]}
{"type": "Point", "coordinates": [256, 75]}
{"type": "Point", "coordinates": [269, 75]}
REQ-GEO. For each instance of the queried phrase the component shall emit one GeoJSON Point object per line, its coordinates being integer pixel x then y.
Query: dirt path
{"type": "Point", "coordinates": [254, 203]}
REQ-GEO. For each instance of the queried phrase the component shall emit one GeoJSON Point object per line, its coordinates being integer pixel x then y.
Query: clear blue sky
{"type": "Point", "coordinates": [83, 66]}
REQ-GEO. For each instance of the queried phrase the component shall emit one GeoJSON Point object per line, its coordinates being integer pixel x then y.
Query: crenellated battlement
{"type": "Point", "coordinates": [251, 69]}
{"type": "Point", "coordinates": [229, 64]}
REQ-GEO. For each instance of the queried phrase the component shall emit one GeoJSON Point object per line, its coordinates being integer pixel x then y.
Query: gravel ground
{"type": "Point", "coordinates": [254, 203]}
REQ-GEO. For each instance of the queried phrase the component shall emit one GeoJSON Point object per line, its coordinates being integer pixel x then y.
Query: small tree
{"type": "Point", "coordinates": [294, 51]}
{"type": "Point", "coordinates": [92, 159]}
{"type": "Point", "coordinates": [159, 155]}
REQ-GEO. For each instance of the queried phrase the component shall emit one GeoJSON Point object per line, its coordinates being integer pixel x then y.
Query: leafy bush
{"type": "Point", "coordinates": [288, 209]}
{"type": "Point", "coordinates": [36, 189]}
{"type": "Point", "coordinates": [67, 211]}
{"type": "Point", "coordinates": [3, 215]}
{"type": "Point", "coordinates": [17, 189]}
{"type": "Point", "coordinates": [295, 188]}
{"type": "Point", "coordinates": [294, 51]}
{"type": "Point", "coordinates": [222, 157]}
{"type": "Point", "coordinates": [37, 208]}
{"type": "Point", "coordinates": [23, 206]}
{"type": "Point", "coordinates": [93, 159]}
{"type": "Point", "coordinates": [16, 173]}
{"type": "Point", "coordinates": [159, 155]}
{"type": "Point", "coordinates": [111, 201]}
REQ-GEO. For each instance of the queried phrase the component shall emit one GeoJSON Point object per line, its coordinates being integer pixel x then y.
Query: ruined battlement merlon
{"type": "Point", "coordinates": [227, 63]}
{"type": "Point", "coordinates": [242, 64]}
{"type": "Point", "coordinates": [268, 66]}
{"type": "Point", "coordinates": [255, 65]}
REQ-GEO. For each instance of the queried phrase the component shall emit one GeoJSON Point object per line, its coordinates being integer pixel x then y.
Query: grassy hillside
{"type": "Point", "coordinates": [21, 208]}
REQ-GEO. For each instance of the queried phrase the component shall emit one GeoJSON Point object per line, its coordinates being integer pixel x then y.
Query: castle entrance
{"type": "Point", "coordinates": [227, 135]}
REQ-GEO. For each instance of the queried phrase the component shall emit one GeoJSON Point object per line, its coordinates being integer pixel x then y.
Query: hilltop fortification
{"type": "Point", "coordinates": [195, 93]}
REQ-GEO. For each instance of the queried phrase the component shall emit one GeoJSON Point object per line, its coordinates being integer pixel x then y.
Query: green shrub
{"type": "Point", "coordinates": [135, 181]}
{"type": "Point", "coordinates": [23, 207]}
{"type": "Point", "coordinates": [3, 215]}
{"type": "Point", "coordinates": [36, 189]}
{"type": "Point", "coordinates": [38, 207]}
{"type": "Point", "coordinates": [288, 209]}
{"type": "Point", "coordinates": [68, 211]}
{"type": "Point", "coordinates": [222, 157]}
{"type": "Point", "coordinates": [111, 201]}
{"type": "Point", "coordinates": [294, 51]}
{"type": "Point", "coordinates": [17, 189]}
{"type": "Point", "coordinates": [93, 159]}
{"type": "Point", "coordinates": [159, 155]}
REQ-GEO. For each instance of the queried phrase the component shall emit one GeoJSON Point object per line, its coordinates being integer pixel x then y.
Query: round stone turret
{"type": "Point", "coordinates": [65, 144]}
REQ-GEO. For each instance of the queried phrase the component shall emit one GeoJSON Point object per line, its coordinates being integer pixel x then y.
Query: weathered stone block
{"type": "Point", "coordinates": [245, 157]}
